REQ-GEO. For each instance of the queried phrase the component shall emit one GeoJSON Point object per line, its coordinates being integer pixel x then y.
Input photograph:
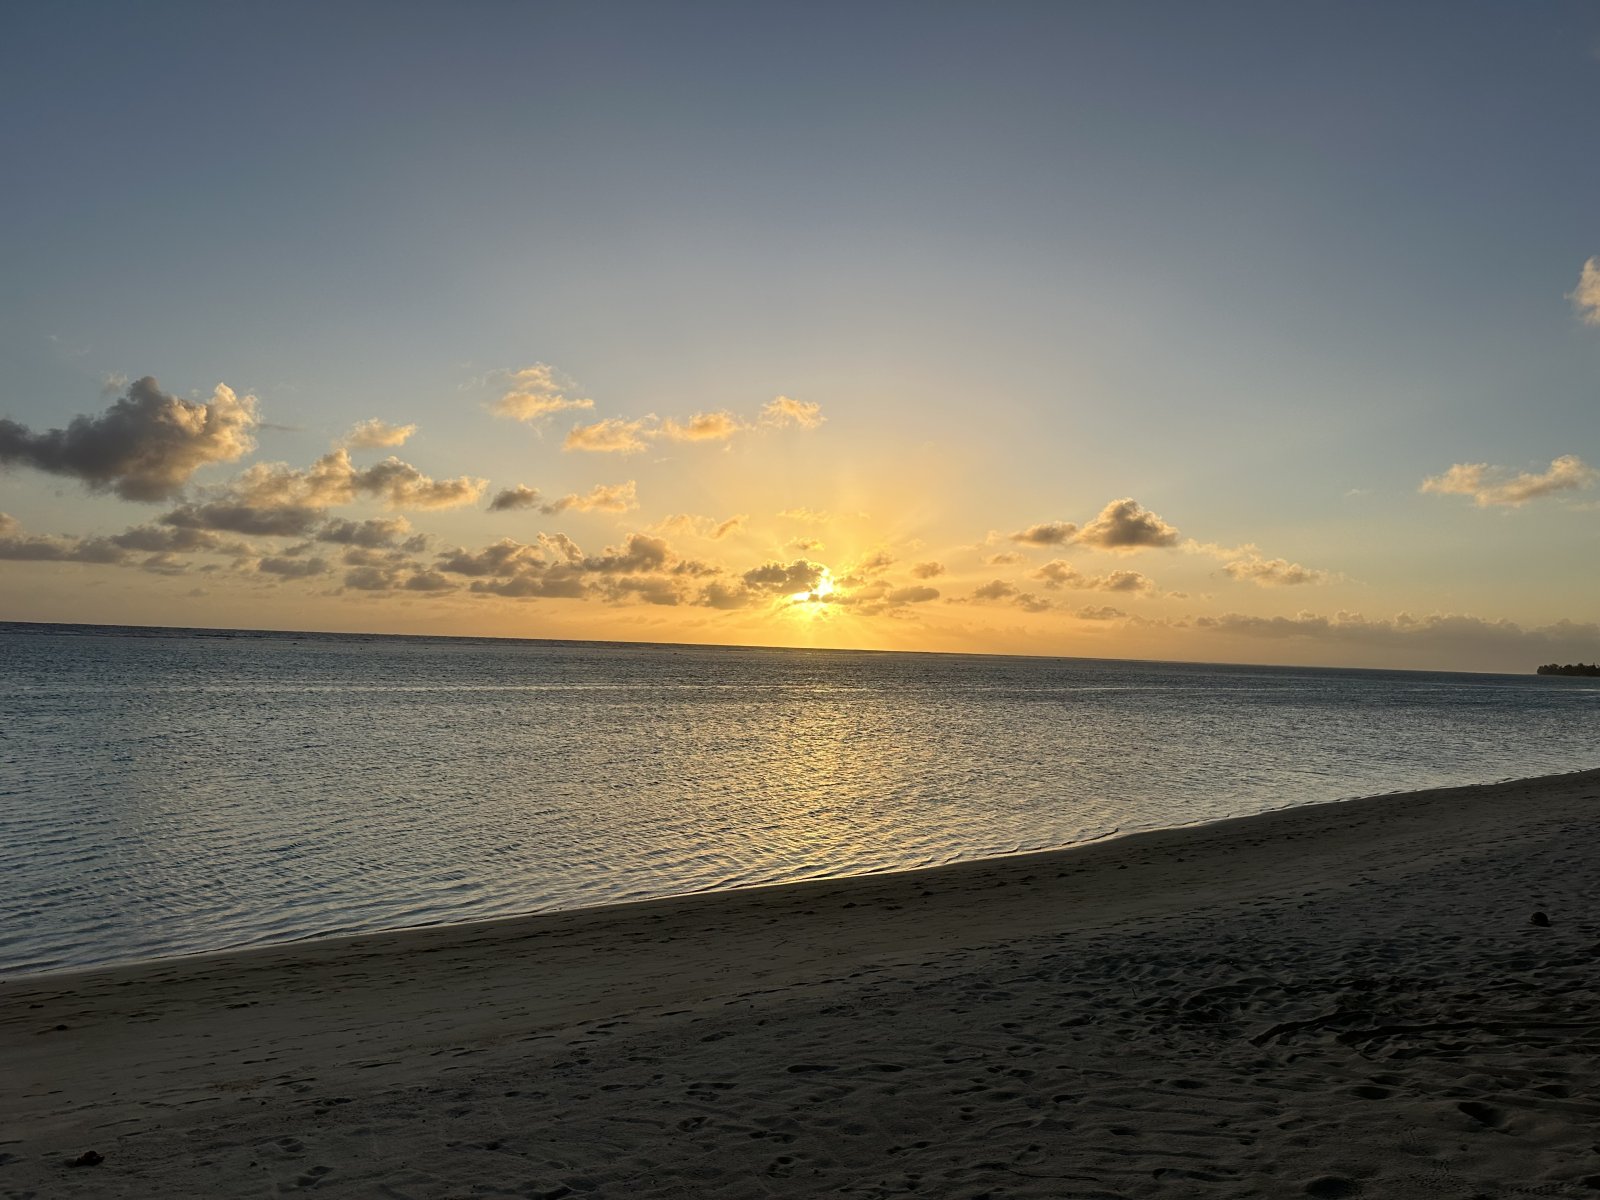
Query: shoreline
{"type": "Point", "coordinates": [468, 926]}
{"type": "Point", "coordinates": [199, 1074]}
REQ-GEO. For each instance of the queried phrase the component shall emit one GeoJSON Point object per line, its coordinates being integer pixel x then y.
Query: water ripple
{"type": "Point", "coordinates": [168, 795]}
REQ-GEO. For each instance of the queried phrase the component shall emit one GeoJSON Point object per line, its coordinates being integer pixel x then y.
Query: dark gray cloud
{"type": "Point", "coordinates": [164, 564]}
{"type": "Point", "coordinates": [605, 497]}
{"type": "Point", "coordinates": [146, 446]}
{"type": "Point", "coordinates": [785, 579]}
{"type": "Point", "coordinates": [531, 585]}
{"type": "Point", "coordinates": [158, 540]}
{"type": "Point", "coordinates": [234, 517]}
{"type": "Point", "coordinates": [21, 547]}
{"type": "Point", "coordinates": [1124, 525]}
{"type": "Point", "coordinates": [999, 591]}
{"type": "Point", "coordinates": [374, 533]}
{"type": "Point", "coordinates": [640, 553]}
{"type": "Point", "coordinates": [995, 589]}
{"type": "Point", "coordinates": [293, 568]}
{"type": "Point", "coordinates": [429, 581]}
{"type": "Point", "coordinates": [370, 579]}
{"type": "Point", "coordinates": [503, 558]}
{"type": "Point", "coordinates": [17, 546]}
{"type": "Point", "coordinates": [513, 498]}
{"type": "Point", "coordinates": [643, 567]}
{"type": "Point", "coordinates": [1046, 533]}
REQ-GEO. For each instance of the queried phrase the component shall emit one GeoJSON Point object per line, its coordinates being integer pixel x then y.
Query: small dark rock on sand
{"type": "Point", "coordinates": [88, 1158]}
{"type": "Point", "coordinates": [1539, 919]}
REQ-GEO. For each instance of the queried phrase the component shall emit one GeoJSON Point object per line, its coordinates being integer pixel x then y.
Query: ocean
{"type": "Point", "coordinates": [168, 792]}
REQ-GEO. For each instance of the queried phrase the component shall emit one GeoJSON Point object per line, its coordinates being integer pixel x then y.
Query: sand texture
{"type": "Point", "coordinates": [1350, 999]}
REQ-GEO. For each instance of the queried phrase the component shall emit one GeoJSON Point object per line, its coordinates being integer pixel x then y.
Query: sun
{"type": "Point", "coordinates": [818, 594]}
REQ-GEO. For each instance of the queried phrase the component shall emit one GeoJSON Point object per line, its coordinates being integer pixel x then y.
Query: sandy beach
{"type": "Point", "coordinates": [1348, 999]}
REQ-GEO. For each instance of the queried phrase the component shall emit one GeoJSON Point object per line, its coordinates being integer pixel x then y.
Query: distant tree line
{"type": "Point", "coordinates": [1570, 669]}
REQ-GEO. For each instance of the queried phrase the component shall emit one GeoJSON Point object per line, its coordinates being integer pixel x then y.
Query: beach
{"type": "Point", "coordinates": [1395, 996]}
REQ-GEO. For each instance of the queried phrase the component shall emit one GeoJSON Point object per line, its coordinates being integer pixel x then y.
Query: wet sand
{"type": "Point", "coordinates": [1340, 1000]}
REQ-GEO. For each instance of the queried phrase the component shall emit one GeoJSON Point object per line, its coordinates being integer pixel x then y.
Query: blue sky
{"type": "Point", "coordinates": [1264, 268]}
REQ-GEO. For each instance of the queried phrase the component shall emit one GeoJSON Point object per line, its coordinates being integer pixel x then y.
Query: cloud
{"type": "Point", "coordinates": [329, 480]}
{"type": "Point", "coordinates": [1006, 559]}
{"type": "Point", "coordinates": [616, 435]}
{"type": "Point", "coordinates": [164, 564]}
{"type": "Point", "coordinates": [1453, 637]}
{"type": "Point", "coordinates": [158, 540]}
{"type": "Point", "coordinates": [378, 435]}
{"type": "Point", "coordinates": [371, 579]}
{"type": "Point", "coordinates": [1124, 525]}
{"type": "Point", "coordinates": [1058, 573]}
{"type": "Point", "coordinates": [286, 521]}
{"type": "Point", "coordinates": [725, 596]}
{"type": "Point", "coordinates": [912, 595]}
{"type": "Point", "coordinates": [333, 479]}
{"type": "Point", "coordinates": [1489, 485]}
{"type": "Point", "coordinates": [1100, 613]}
{"type": "Point", "coordinates": [805, 545]}
{"type": "Point", "coordinates": [610, 436]}
{"type": "Point", "coordinates": [401, 485]}
{"type": "Point", "coordinates": [995, 589]}
{"type": "Point", "coordinates": [998, 591]}
{"type": "Point", "coordinates": [640, 552]}
{"type": "Point", "coordinates": [16, 546]}
{"type": "Point", "coordinates": [761, 584]}
{"type": "Point", "coordinates": [146, 446]}
{"type": "Point", "coordinates": [706, 527]}
{"type": "Point", "coordinates": [428, 581]}
{"type": "Point", "coordinates": [1273, 572]}
{"type": "Point", "coordinates": [514, 498]}
{"type": "Point", "coordinates": [820, 515]}
{"type": "Point", "coordinates": [802, 575]}
{"type": "Point", "coordinates": [927, 570]}
{"type": "Point", "coordinates": [372, 572]}
{"type": "Point", "coordinates": [1047, 533]}
{"type": "Point", "coordinates": [375, 533]}
{"type": "Point", "coordinates": [1586, 296]}
{"type": "Point", "coordinates": [293, 568]}
{"type": "Point", "coordinates": [534, 586]}
{"type": "Point", "coordinates": [643, 567]}
{"type": "Point", "coordinates": [535, 392]}
{"type": "Point", "coordinates": [702, 427]}
{"type": "Point", "coordinates": [604, 497]}
{"type": "Point", "coordinates": [781, 410]}
{"type": "Point", "coordinates": [1123, 581]}
{"type": "Point", "coordinates": [505, 557]}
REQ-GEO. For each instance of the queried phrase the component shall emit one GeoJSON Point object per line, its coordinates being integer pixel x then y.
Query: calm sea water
{"type": "Point", "coordinates": [166, 793]}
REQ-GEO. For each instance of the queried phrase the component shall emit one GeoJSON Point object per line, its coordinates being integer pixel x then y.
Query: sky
{"type": "Point", "coordinates": [1230, 332]}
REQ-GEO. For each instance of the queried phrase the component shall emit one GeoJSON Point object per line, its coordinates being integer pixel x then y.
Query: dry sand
{"type": "Point", "coordinates": [1349, 999]}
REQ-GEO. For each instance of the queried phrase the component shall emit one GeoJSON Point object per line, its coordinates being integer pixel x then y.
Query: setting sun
{"type": "Point", "coordinates": [816, 597]}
